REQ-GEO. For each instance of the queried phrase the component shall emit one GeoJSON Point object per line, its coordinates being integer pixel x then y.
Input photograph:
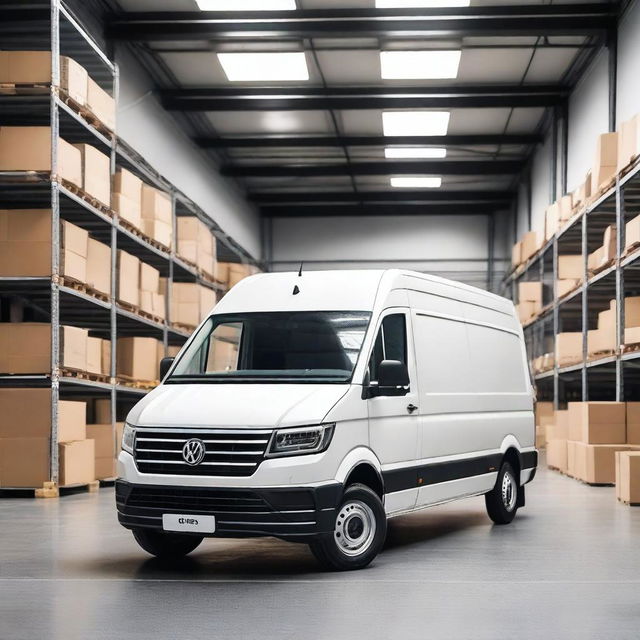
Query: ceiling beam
{"type": "Point", "coordinates": [278, 141]}
{"type": "Point", "coordinates": [305, 98]}
{"type": "Point", "coordinates": [512, 20]}
{"type": "Point", "coordinates": [402, 197]}
{"type": "Point", "coordinates": [380, 210]}
{"type": "Point", "coordinates": [422, 167]}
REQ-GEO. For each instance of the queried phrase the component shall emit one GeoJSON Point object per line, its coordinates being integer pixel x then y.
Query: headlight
{"type": "Point", "coordinates": [291, 442]}
{"type": "Point", "coordinates": [128, 438]}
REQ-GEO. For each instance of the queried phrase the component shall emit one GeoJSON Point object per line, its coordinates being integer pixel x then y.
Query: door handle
{"type": "Point", "coordinates": [411, 408]}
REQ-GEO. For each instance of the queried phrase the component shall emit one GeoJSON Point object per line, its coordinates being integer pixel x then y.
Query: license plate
{"type": "Point", "coordinates": [185, 522]}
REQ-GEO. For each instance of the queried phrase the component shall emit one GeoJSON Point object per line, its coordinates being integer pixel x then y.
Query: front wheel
{"type": "Point", "coordinates": [359, 531]}
{"type": "Point", "coordinates": [502, 500]}
{"type": "Point", "coordinates": [166, 545]}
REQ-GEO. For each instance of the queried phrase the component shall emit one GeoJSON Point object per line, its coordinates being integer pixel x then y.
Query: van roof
{"type": "Point", "coordinates": [342, 290]}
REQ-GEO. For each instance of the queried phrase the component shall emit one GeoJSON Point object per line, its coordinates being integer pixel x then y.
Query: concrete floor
{"type": "Point", "coordinates": [568, 567]}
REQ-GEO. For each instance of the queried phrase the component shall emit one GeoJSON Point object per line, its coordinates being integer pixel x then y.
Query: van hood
{"type": "Point", "coordinates": [236, 405]}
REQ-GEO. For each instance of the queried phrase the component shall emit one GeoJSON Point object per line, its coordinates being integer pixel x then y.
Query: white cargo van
{"type": "Point", "coordinates": [313, 407]}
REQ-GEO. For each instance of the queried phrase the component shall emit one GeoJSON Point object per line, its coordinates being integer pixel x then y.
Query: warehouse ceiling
{"type": "Point", "coordinates": [318, 144]}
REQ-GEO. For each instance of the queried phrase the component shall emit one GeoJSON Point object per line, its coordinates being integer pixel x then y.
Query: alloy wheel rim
{"type": "Point", "coordinates": [355, 528]}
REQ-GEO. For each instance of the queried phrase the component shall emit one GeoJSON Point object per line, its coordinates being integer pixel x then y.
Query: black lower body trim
{"type": "Point", "coordinates": [296, 513]}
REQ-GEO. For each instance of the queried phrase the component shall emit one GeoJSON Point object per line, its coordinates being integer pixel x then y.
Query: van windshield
{"type": "Point", "coordinates": [294, 346]}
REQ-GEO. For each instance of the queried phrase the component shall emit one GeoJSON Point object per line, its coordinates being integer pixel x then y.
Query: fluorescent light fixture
{"type": "Point", "coordinates": [412, 182]}
{"type": "Point", "coordinates": [246, 5]}
{"type": "Point", "coordinates": [420, 4]}
{"type": "Point", "coordinates": [418, 65]}
{"type": "Point", "coordinates": [415, 123]}
{"type": "Point", "coordinates": [414, 152]}
{"type": "Point", "coordinates": [264, 67]}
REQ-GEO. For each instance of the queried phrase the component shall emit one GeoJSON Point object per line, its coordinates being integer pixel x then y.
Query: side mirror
{"type": "Point", "coordinates": [392, 374]}
{"type": "Point", "coordinates": [165, 365]}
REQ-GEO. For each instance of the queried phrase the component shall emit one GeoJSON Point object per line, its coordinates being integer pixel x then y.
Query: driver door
{"type": "Point", "coordinates": [393, 419]}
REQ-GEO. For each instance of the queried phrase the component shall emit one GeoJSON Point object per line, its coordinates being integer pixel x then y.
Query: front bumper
{"type": "Point", "coordinates": [292, 513]}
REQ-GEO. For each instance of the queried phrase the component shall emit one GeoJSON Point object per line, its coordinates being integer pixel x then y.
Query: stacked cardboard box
{"type": "Point", "coordinates": [151, 300]}
{"type": "Point", "coordinates": [128, 279]}
{"type": "Point", "coordinates": [529, 300]}
{"type": "Point", "coordinates": [99, 266]}
{"type": "Point", "coordinates": [156, 215]}
{"type": "Point", "coordinates": [190, 302]}
{"type": "Point", "coordinates": [568, 348]}
{"type": "Point", "coordinates": [101, 104]}
{"type": "Point", "coordinates": [628, 477]}
{"type": "Point", "coordinates": [531, 243]}
{"type": "Point", "coordinates": [196, 243]}
{"type": "Point", "coordinates": [557, 214]}
{"type": "Point", "coordinates": [570, 273]}
{"type": "Point", "coordinates": [604, 255]}
{"type": "Point", "coordinates": [606, 161]}
{"type": "Point", "coordinates": [628, 142]}
{"type": "Point", "coordinates": [107, 447]}
{"type": "Point", "coordinates": [631, 319]}
{"type": "Point", "coordinates": [127, 197]}
{"type": "Point", "coordinates": [25, 436]}
{"type": "Point", "coordinates": [557, 435]}
{"type": "Point", "coordinates": [98, 356]}
{"type": "Point", "coordinates": [604, 338]}
{"type": "Point", "coordinates": [96, 173]}
{"type": "Point", "coordinates": [544, 417]}
{"type": "Point", "coordinates": [138, 358]}
{"type": "Point", "coordinates": [29, 149]}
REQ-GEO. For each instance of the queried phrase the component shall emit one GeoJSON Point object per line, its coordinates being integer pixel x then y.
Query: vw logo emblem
{"type": "Point", "coordinates": [193, 451]}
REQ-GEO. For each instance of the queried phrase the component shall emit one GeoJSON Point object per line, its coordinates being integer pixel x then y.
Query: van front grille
{"type": "Point", "coordinates": [228, 452]}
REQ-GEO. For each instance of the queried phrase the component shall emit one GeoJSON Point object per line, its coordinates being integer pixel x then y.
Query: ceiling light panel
{"type": "Point", "coordinates": [414, 152]}
{"type": "Point", "coordinates": [419, 65]}
{"type": "Point", "coordinates": [415, 123]}
{"type": "Point", "coordinates": [420, 4]}
{"type": "Point", "coordinates": [246, 5]}
{"type": "Point", "coordinates": [264, 67]}
{"type": "Point", "coordinates": [416, 182]}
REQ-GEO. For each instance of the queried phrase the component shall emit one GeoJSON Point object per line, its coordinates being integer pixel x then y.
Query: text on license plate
{"type": "Point", "coordinates": [185, 522]}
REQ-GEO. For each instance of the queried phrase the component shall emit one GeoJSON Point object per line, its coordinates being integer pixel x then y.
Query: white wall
{"type": "Point", "coordinates": [541, 184]}
{"type": "Point", "coordinates": [151, 131]}
{"type": "Point", "coordinates": [628, 96]}
{"type": "Point", "coordinates": [588, 117]}
{"type": "Point", "coordinates": [451, 246]}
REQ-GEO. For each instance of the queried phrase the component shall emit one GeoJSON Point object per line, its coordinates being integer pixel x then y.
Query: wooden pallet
{"type": "Point", "coordinates": [127, 381]}
{"type": "Point", "coordinates": [87, 197]}
{"type": "Point", "coordinates": [602, 267]}
{"type": "Point", "coordinates": [598, 355]}
{"type": "Point", "coordinates": [85, 375]}
{"type": "Point", "coordinates": [631, 248]}
{"type": "Point", "coordinates": [77, 285]}
{"type": "Point", "coordinates": [150, 316]}
{"type": "Point", "coordinates": [629, 168]}
{"type": "Point", "coordinates": [143, 236]}
{"type": "Point", "coordinates": [24, 88]}
{"type": "Point", "coordinates": [602, 190]}
{"type": "Point", "coordinates": [183, 327]}
{"type": "Point", "coordinates": [630, 348]}
{"type": "Point", "coordinates": [86, 114]}
{"type": "Point", "coordinates": [50, 490]}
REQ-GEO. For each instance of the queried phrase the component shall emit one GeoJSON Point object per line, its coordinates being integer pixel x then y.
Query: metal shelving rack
{"type": "Point", "coordinates": [46, 297]}
{"type": "Point", "coordinates": [615, 376]}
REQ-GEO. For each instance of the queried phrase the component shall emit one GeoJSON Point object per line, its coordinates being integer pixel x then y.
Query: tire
{"type": "Point", "coordinates": [502, 500]}
{"type": "Point", "coordinates": [166, 545]}
{"type": "Point", "coordinates": [359, 533]}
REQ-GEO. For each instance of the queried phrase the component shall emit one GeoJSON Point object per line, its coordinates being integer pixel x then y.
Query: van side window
{"type": "Point", "coordinates": [390, 344]}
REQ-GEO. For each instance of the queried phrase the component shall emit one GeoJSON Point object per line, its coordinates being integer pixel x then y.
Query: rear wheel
{"type": "Point", "coordinates": [502, 500]}
{"type": "Point", "coordinates": [359, 531]}
{"type": "Point", "coordinates": [166, 545]}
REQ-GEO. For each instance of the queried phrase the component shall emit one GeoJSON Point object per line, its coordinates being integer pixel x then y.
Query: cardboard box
{"type": "Point", "coordinates": [596, 259]}
{"type": "Point", "coordinates": [24, 462]}
{"type": "Point", "coordinates": [99, 266]}
{"type": "Point", "coordinates": [107, 440]}
{"type": "Point", "coordinates": [137, 358]}
{"type": "Point", "coordinates": [632, 234]}
{"type": "Point", "coordinates": [557, 454]}
{"type": "Point", "coordinates": [149, 278]}
{"type": "Point", "coordinates": [563, 287]}
{"type": "Point", "coordinates": [559, 428]}
{"type": "Point", "coordinates": [77, 465]}
{"type": "Point", "coordinates": [572, 461]}
{"type": "Point", "coordinates": [628, 143]}
{"type": "Point", "coordinates": [632, 311]}
{"type": "Point", "coordinates": [29, 149]}
{"type": "Point", "coordinates": [597, 422]}
{"type": "Point", "coordinates": [606, 161]}
{"type": "Point", "coordinates": [571, 267]}
{"type": "Point", "coordinates": [551, 220]}
{"type": "Point", "coordinates": [568, 348]}
{"type": "Point", "coordinates": [160, 231]}
{"type": "Point", "coordinates": [238, 272]}
{"type": "Point", "coordinates": [127, 209]}
{"type": "Point", "coordinates": [600, 341]}
{"type": "Point", "coordinates": [609, 244]}
{"type": "Point", "coordinates": [153, 303]}
{"type": "Point", "coordinates": [565, 207]}
{"type": "Point", "coordinates": [190, 229]}
{"type": "Point", "coordinates": [628, 476]}
{"type": "Point", "coordinates": [595, 464]}
{"type": "Point", "coordinates": [207, 301]}
{"type": "Point", "coordinates": [25, 413]}
{"type": "Point", "coordinates": [530, 292]}
{"type": "Point", "coordinates": [531, 243]}
{"type": "Point", "coordinates": [156, 204]}
{"type": "Point", "coordinates": [96, 173]}
{"type": "Point", "coordinates": [105, 358]}
{"type": "Point", "coordinates": [105, 468]}
{"type": "Point", "coordinates": [526, 311]}
{"type": "Point", "coordinates": [25, 347]}
{"type": "Point", "coordinates": [128, 278]}
{"type": "Point", "coordinates": [579, 196]}
{"type": "Point", "coordinates": [94, 355]}
{"type": "Point", "coordinates": [633, 423]}
{"type": "Point", "coordinates": [102, 410]}
{"type": "Point", "coordinates": [221, 272]}
{"type": "Point", "coordinates": [101, 104]}
{"type": "Point", "coordinates": [632, 335]}
{"type": "Point", "coordinates": [516, 254]}
{"type": "Point", "coordinates": [544, 413]}
{"type": "Point", "coordinates": [72, 420]}
{"type": "Point", "coordinates": [128, 185]}
{"type": "Point", "coordinates": [34, 67]}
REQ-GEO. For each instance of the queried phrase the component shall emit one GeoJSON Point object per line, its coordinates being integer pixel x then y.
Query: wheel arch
{"type": "Point", "coordinates": [361, 465]}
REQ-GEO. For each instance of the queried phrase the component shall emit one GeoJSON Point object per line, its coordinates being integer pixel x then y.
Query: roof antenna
{"type": "Point", "coordinates": [300, 270]}
{"type": "Point", "coordinates": [296, 288]}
